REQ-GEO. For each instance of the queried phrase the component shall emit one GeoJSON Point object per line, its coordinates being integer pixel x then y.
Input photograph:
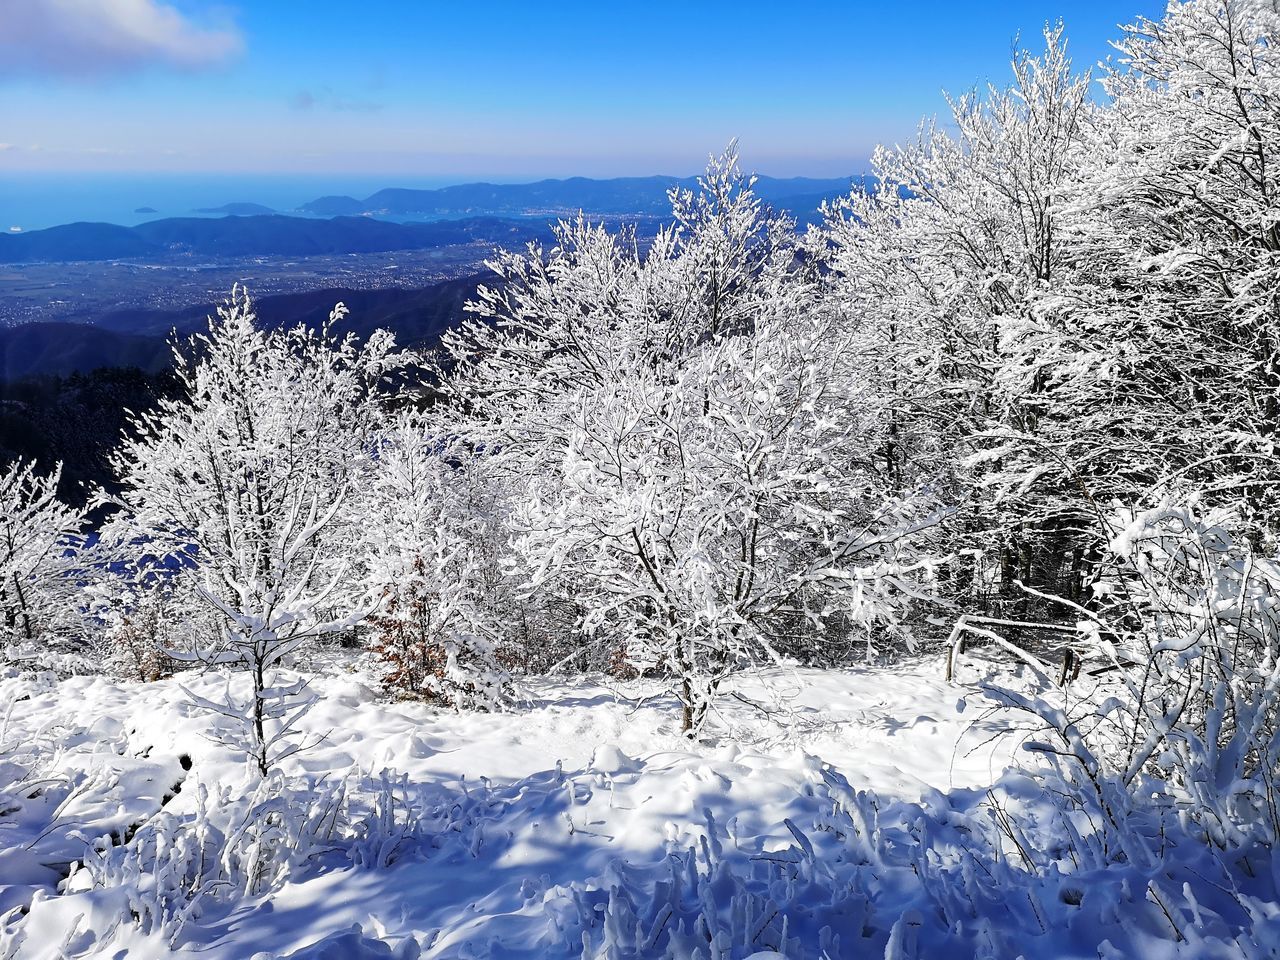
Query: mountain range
{"type": "Point", "coordinates": [639, 196]}
{"type": "Point", "coordinates": [496, 214]}
{"type": "Point", "coordinates": [255, 236]}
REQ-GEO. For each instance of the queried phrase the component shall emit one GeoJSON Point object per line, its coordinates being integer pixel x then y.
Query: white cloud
{"type": "Point", "coordinates": [83, 38]}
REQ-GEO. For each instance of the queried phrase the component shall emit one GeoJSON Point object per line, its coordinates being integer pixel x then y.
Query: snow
{"type": "Point", "coordinates": [577, 779]}
{"type": "Point", "coordinates": [836, 810]}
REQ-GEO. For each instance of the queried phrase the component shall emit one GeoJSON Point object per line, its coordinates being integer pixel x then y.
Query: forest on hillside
{"type": "Point", "coordinates": [1019, 399]}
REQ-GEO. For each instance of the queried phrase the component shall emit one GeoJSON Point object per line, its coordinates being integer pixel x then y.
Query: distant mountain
{"type": "Point", "coordinates": [146, 210]}
{"type": "Point", "coordinates": [273, 235]}
{"type": "Point", "coordinates": [334, 207]}
{"type": "Point", "coordinates": [139, 338]}
{"type": "Point", "coordinates": [238, 209]}
{"type": "Point", "coordinates": [76, 420]}
{"type": "Point", "coordinates": [635, 196]}
{"type": "Point", "coordinates": [73, 241]}
{"type": "Point", "coordinates": [417, 317]}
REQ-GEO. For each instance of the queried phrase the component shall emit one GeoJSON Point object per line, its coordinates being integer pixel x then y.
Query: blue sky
{"type": "Point", "coordinates": [497, 89]}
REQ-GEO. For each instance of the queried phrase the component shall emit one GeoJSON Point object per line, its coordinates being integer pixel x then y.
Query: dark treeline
{"type": "Point", "coordinates": [77, 420]}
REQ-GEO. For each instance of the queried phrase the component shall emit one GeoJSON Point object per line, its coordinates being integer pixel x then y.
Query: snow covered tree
{"type": "Point", "coordinates": [1180, 205]}
{"type": "Point", "coordinates": [248, 472]}
{"type": "Point", "coordinates": [1146, 363]}
{"type": "Point", "coordinates": [138, 608]}
{"type": "Point", "coordinates": [697, 466]}
{"type": "Point", "coordinates": [37, 532]}
{"type": "Point", "coordinates": [432, 529]}
{"type": "Point", "coordinates": [1083, 296]}
{"type": "Point", "coordinates": [948, 269]}
{"type": "Point", "coordinates": [136, 622]}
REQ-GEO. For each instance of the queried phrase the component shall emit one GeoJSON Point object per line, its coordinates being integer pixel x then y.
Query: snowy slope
{"type": "Point", "coordinates": [836, 813]}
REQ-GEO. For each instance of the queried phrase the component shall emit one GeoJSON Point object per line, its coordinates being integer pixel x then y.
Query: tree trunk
{"type": "Point", "coordinates": [259, 727]}
{"type": "Point", "coordinates": [22, 608]}
{"type": "Point", "coordinates": [686, 696]}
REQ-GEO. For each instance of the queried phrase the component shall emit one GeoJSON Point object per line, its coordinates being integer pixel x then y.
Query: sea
{"type": "Point", "coordinates": [33, 201]}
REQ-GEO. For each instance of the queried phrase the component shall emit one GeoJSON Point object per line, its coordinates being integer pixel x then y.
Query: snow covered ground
{"type": "Point", "coordinates": [850, 812]}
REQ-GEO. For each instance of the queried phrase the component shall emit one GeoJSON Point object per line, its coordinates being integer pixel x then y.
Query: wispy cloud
{"type": "Point", "coordinates": [65, 150]}
{"type": "Point", "coordinates": [326, 99]}
{"type": "Point", "coordinates": [90, 38]}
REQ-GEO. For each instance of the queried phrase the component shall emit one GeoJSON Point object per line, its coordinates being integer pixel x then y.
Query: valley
{"type": "Point", "coordinates": [87, 291]}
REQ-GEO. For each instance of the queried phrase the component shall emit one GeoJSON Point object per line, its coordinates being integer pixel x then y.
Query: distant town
{"type": "Point", "coordinates": [85, 291]}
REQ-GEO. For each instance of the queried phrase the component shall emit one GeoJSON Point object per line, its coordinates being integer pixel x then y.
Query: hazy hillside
{"type": "Point", "coordinates": [416, 316]}
{"type": "Point", "coordinates": [272, 235]}
{"type": "Point", "coordinates": [74, 241]}
{"type": "Point", "coordinates": [138, 338]}
{"type": "Point", "coordinates": [60, 349]}
{"type": "Point", "coordinates": [238, 209]}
